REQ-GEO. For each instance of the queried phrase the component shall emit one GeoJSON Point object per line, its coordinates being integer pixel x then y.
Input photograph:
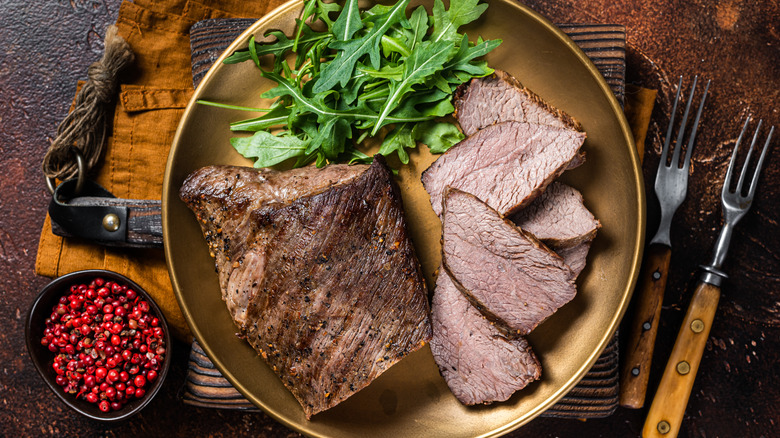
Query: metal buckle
{"type": "Point", "coordinates": [50, 182]}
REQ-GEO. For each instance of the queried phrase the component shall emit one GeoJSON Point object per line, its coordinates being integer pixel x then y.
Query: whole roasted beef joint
{"type": "Point", "coordinates": [317, 270]}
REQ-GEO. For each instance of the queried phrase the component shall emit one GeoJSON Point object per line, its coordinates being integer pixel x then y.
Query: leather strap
{"type": "Point", "coordinates": [88, 215]}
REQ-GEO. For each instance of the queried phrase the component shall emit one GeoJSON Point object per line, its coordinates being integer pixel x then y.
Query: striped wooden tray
{"type": "Point", "coordinates": [596, 396]}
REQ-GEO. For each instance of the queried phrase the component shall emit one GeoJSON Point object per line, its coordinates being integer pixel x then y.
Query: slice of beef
{"type": "Point", "coordinates": [333, 289]}
{"type": "Point", "coordinates": [501, 98]}
{"type": "Point", "coordinates": [511, 277]}
{"type": "Point", "coordinates": [575, 256]}
{"type": "Point", "coordinates": [479, 364]}
{"type": "Point", "coordinates": [506, 165]}
{"type": "Point", "coordinates": [559, 218]}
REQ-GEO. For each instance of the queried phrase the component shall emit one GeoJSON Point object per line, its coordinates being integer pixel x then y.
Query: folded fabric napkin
{"type": "Point", "coordinates": [152, 97]}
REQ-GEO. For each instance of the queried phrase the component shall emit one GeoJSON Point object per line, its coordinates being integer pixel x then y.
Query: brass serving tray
{"type": "Point", "coordinates": [411, 399]}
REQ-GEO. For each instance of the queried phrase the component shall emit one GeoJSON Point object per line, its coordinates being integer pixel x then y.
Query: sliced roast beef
{"type": "Point", "coordinates": [501, 98]}
{"type": "Point", "coordinates": [479, 364]}
{"type": "Point", "coordinates": [506, 165]}
{"type": "Point", "coordinates": [324, 280]}
{"type": "Point", "coordinates": [506, 273]}
{"type": "Point", "coordinates": [559, 218]}
{"type": "Point", "coordinates": [575, 256]}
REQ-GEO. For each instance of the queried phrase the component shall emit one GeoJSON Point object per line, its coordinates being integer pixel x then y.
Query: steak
{"type": "Point", "coordinates": [506, 273]}
{"type": "Point", "coordinates": [318, 270]}
{"type": "Point", "coordinates": [479, 364]}
{"type": "Point", "coordinates": [224, 196]}
{"type": "Point", "coordinates": [559, 218]}
{"type": "Point", "coordinates": [506, 165]}
{"type": "Point", "coordinates": [575, 256]}
{"type": "Point", "coordinates": [501, 98]}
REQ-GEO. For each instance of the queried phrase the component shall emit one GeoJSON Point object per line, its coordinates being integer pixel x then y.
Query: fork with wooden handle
{"type": "Point", "coordinates": [671, 398]}
{"type": "Point", "coordinates": [671, 183]}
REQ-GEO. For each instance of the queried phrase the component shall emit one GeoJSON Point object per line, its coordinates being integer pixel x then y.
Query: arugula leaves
{"type": "Point", "coordinates": [447, 22]}
{"type": "Point", "coordinates": [357, 74]}
{"type": "Point", "coordinates": [268, 148]}
{"type": "Point", "coordinates": [422, 63]}
{"type": "Point", "coordinates": [341, 68]}
{"type": "Point", "coordinates": [348, 22]}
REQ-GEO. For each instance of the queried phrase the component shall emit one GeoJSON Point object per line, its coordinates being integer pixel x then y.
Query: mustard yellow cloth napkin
{"type": "Point", "coordinates": [153, 94]}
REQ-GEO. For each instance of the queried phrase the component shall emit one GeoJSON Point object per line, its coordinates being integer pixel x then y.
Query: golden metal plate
{"type": "Point", "coordinates": [411, 399]}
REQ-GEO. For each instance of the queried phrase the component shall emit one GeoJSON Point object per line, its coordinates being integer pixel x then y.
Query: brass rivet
{"type": "Point", "coordinates": [111, 222]}
{"type": "Point", "coordinates": [697, 325]}
{"type": "Point", "coordinates": [664, 427]}
{"type": "Point", "coordinates": [683, 367]}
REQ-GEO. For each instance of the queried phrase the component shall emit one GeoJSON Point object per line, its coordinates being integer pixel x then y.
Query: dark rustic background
{"type": "Point", "coordinates": [46, 47]}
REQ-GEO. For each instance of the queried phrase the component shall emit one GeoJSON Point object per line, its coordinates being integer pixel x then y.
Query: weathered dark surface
{"type": "Point", "coordinates": [48, 45]}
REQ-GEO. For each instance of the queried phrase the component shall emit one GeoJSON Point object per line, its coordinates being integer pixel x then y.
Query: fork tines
{"type": "Point", "coordinates": [754, 180]}
{"type": "Point", "coordinates": [681, 133]}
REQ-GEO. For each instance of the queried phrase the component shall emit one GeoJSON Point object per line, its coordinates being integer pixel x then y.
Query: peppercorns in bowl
{"type": "Point", "coordinates": [100, 343]}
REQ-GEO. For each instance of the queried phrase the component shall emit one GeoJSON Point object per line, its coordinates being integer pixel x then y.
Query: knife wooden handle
{"type": "Point", "coordinates": [671, 398]}
{"type": "Point", "coordinates": [644, 326]}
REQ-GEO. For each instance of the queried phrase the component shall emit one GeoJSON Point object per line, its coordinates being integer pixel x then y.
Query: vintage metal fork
{"type": "Point", "coordinates": [666, 412]}
{"type": "Point", "coordinates": [735, 204]}
{"type": "Point", "coordinates": [671, 183]}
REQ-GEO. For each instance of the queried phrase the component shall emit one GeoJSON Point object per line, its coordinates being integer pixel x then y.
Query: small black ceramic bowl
{"type": "Point", "coordinates": [43, 358]}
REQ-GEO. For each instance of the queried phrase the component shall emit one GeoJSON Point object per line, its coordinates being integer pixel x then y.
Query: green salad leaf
{"type": "Point", "coordinates": [346, 74]}
{"type": "Point", "coordinates": [269, 149]}
{"type": "Point", "coordinates": [348, 22]}
{"type": "Point", "coordinates": [339, 71]}
{"type": "Point", "coordinates": [447, 21]}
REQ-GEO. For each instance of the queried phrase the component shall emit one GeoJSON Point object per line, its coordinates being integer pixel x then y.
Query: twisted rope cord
{"type": "Point", "coordinates": [84, 129]}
